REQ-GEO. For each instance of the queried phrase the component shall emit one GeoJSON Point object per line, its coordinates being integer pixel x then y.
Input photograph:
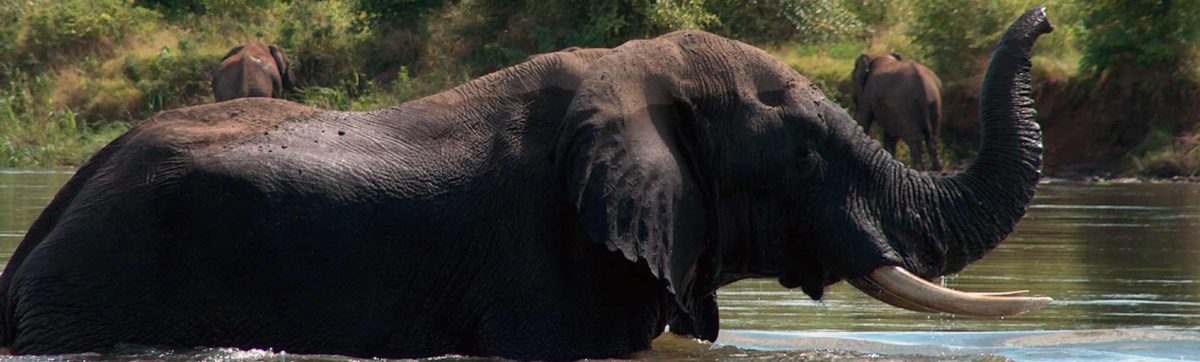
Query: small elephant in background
{"type": "Point", "coordinates": [252, 70]}
{"type": "Point", "coordinates": [906, 98]}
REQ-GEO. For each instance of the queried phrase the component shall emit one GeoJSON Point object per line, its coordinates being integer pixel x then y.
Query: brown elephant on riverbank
{"type": "Point", "coordinates": [252, 70]}
{"type": "Point", "coordinates": [906, 98]}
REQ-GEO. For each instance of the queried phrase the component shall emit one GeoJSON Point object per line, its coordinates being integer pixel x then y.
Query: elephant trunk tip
{"type": "Point", "coordinates": [1028, 27]}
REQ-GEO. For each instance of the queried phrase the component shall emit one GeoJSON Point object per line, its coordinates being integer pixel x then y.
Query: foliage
{"type": "Point", "coordinates": [499, 33]}
{"type": "Point", "coordinates": [827, 66]}
{"type": "Point", "coordinates": [784, 21]}
{"type": "Point", "coordinates": [80, 65]}
{"type": "Point", "coordinates": [1150, 35]}
{"type": "Point", "coordinates": [10, 29]}
{"type": "Point", "coordinates": [956, 36]}
{"type": "Point", "coordinates": [59, 31]}
{"type": "Point", "coordinates": [31, 134]}
{"type": "Point", "coordinates": [174, 77]}
{"type": "Point", "coordinates": [225, 8]}
{"type": "Point", "coordinates": [358, 94]}
{"type": "Point", "coordinates": [874, 12]}
{"type": "Point", "coordinates": [1167, 154]}
{"type": "Point", "coordinates": [684, 14]}
{"type": "Point", "coordinates": [396, 12]}
{"type": "Point", "coordinates": [323, 41]}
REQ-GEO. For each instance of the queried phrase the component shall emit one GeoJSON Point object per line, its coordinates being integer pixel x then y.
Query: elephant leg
{"type": "Point", "coordinates": [889, 143]}
{"type": "Point", "coordinates": [934, 159]}
{"type": "Point", "coordinates": [916, 152]}
{"type": "Point", "coordinates": [866, 123]}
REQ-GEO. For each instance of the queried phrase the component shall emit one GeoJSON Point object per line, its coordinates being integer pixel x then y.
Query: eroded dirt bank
{"type": "Point", "coordinates": [1117, 125]}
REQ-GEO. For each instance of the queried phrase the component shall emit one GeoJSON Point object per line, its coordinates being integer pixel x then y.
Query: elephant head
{"type": "Point", "coordinates": [711, 161]}
{"type": "Point", "coordinates": [862, 71]}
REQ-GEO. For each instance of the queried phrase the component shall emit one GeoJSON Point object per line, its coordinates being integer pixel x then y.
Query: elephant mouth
{"type": "Point", "coordinates": [900, 288]}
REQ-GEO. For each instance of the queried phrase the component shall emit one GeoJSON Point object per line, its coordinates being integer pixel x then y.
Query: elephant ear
{"type": "Point", "coordinates": [862, 68]}
{"type": "Point", "coordinates": [284, 65]}
{"type": "Point", "coordinates": [627, 158]}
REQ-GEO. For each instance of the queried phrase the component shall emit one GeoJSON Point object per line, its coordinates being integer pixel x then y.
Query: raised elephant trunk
{"type": "Point", "coordinates": [963, 217]}
{"type": "Point", "coordinates": [1000, 183]}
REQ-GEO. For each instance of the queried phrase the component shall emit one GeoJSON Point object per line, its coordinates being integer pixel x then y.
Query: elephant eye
{"type": "Point", "coordinates": [773, 98]}
{"type": "Point", "coordinates": [808, 161]}
{"type": "Point", "coordinates": [805, 156]}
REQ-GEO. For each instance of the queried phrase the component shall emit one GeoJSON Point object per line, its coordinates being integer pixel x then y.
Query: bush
{"type": "Point", "coordinates": [482, 36]}
{"type": "Point", "coordinates": [957, 37]}
{"type": "Point", "coordinates": [494, 33]}
{"type": "Point", "coordinates": [874, 13]}
{"type": "Point", "coordinates": [1159, 36]}
{"type": "Point", "coordinates": [31, 134]}
{"type": "Point", "coordinates": [10, 29]}
{"type": "Point", "coordinates": [99, 97]}
{"type": "Point", "coordinates": [1164, 153]}
{"type": "Point", "coordinates": [340, 96]}
{"type": "Point", "coordinates": [173, 78]}
{"type": "Point", "coordinates": [359, 94]}
{"type": "Point", "coordinates": [402, 13]}
{"type": "Point", "coordinates": [776, 21]}
{"type": "Point", "coordinates": [665, 16]}
{"type": "Point", "coordinates": [323, 42]}
{"type": "Point", "coordinates": [59, 31]}
{"type": "Point", "coordinates": [224, 8]}
{"type": "Point", "coordinates": [827, 66]}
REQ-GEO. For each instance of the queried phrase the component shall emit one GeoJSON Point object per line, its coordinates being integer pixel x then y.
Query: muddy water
{"type": "Point", "coordinates": [1122, 262]}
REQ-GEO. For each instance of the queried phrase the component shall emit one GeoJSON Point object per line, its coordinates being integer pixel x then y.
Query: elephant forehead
{"type": "Point", "coordinates": [753, 73]}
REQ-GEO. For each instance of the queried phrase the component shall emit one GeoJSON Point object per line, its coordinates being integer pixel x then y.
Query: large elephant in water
{"type": "Point", "coordinates": [566, 207]}
{"type": "Point", "coordinates": [252, 70]}
{"type": "Point", "coordinates": [905, 98]}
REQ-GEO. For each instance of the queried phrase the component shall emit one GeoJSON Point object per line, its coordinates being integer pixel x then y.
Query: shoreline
{"type": "Point", "coordinates": [1097, 178]}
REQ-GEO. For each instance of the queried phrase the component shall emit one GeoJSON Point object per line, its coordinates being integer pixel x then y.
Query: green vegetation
{"type": "Point", "coordinates": [1153, 36]}
{"type": "Point", "coordinates": [1166, 154]}
{"type": "Point", "coordinates": [78, 72]}
{"type": "Point", "coordinates": [33, 134]}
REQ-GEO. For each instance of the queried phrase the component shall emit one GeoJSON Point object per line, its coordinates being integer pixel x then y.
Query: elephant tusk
{"type": "Point", "coordinates": [941, 281]}
{"type": "Point", "coordinates": [1001, 294]}
{"type": "Point", "coordinates": [898, 287]}
{"type": "Point", "coordinates": [875, 291]}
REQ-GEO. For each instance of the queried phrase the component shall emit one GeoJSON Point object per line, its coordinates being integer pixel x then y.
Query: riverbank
{"type": "Point", "coordinates": [77, 73]}
{"type": "Point", "coordinates": [1119, 125]}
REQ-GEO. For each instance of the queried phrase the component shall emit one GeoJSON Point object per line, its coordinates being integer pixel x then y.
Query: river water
{"type": "Point", "coordinates": [1122, 262]}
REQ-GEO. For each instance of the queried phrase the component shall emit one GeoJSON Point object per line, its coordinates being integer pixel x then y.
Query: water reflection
{"type": "Point", "coordinates": [1121, 262]}
{"type": "Point", "coordinates": [23, 195]}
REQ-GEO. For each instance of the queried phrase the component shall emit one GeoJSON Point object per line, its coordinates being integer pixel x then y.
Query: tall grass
{"type": "Point", "coordinates": [34, 135]}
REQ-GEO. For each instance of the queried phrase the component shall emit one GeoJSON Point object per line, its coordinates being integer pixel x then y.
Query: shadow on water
{"type": "Point", "coordinates": [1120, 261]}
